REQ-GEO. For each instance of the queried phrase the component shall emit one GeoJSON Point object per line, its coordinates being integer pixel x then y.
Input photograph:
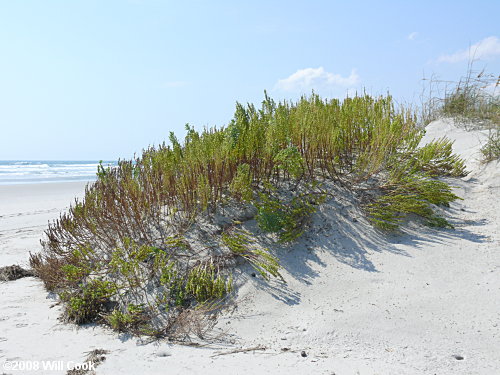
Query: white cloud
{"type": "Point", "coordinates": [486, 48]}
{"type": "Point", "coordinates": [412, 35]}
{"type": "Point", "coordinates": [316, 78]}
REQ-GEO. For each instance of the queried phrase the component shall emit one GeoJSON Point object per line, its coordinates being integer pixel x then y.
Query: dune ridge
{"type": "Point", "coordinates": [421, 302]}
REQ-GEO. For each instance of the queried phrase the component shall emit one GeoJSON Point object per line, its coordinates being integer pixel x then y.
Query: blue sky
{"type": "Point", "coordinates": [104, 79]}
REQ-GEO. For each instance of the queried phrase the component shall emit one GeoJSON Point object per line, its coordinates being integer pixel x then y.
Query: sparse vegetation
{"type": "Point", "coordinates": [491, 150]}
{"type": "Point", "coordinates": [473, 99]}
{"type": "Point", "coordinates": [158, 236]}
{"type": "Point", "coordinates": [473, 102]}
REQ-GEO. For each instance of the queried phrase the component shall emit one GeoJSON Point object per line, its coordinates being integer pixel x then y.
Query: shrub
{"type": "Point", "coordinates": [132, 319]}
{"type": "Point", "coordinates": [491, 150]}
{"type": "Point", "coordinates": [413, 194]}
{"type": "Point", "coordinates": [241, 184]}
{"type": "Point", "coordinates": [85, 304]}
{"type": "Point", "coordinates": [239, 241]}
{"type": "Point", "coordinates": [287, 219]}
{"type": "Point", "coordinates": [149, 232]}
{"type": "Point", "coordinates": [204, 284]}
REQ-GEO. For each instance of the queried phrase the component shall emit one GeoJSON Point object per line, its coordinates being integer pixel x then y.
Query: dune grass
{"type": "Point", "coordinates": [472, 102]}
{"type": "Point", "coordinates": [156, 236]}
{"type": "Point", "coordinates": [491, 150]}
{"type": "Point", "coordinates": [475, 101]}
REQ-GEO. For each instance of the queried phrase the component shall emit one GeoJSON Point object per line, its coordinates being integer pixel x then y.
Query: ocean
{"type": "Point", "coordinates": [43, 171]}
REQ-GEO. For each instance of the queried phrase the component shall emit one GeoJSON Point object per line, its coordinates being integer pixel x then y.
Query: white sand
{"type": "Point", "coordinates": [25, 210]}
{"type": "Point", "coordinates": [357, 302]}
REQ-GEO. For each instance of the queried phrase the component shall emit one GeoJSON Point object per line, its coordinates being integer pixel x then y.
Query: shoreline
{"type": "Point", "coordinates": [40, 182]}
{"type": "Point", "coordinates": [17, 172]}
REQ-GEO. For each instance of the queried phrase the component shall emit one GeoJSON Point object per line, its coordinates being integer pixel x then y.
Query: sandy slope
{"type": "Point", "coordinates": [355, 301]}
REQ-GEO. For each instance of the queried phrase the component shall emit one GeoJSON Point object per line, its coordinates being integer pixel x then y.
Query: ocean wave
{"type": "Point", "coordinates": [12, 172]}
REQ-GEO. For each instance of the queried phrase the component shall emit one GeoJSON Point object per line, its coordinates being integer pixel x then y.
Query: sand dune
{"type": "Point", "coordinates": [424, 301]}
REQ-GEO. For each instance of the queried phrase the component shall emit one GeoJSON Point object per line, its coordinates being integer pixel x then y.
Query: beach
{"type": "Point", "coordinates": [425, 301]}
{"type": "Point", "coordinates": [24, 214]}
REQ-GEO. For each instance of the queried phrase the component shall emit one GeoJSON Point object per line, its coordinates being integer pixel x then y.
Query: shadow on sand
{"type": "Point", "coordinates": [343, 232]}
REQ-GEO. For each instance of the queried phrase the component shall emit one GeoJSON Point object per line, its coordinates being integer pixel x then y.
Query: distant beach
{"type": "Point", "coordinates": [42, 171]}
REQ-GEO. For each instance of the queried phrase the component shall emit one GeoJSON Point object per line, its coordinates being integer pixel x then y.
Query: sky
{"type": "Point", "coordinates": [92, 80]}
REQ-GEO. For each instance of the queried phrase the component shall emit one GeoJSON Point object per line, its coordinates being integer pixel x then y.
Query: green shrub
{"type": "Point", "coordinates": [414, 194]}
{"type": "Point", "coordinates": [132, 319]}
{"type": "Point", "coordinates": [239, 242]}
{"type": "Point", "coordinates": [290, 161]}
{"type": "Point", "coordinates": [491, 150]}
{"type": "Point", "coordinates": [241, 185]}
{"type": "Point", "coordinates": [271, 214]}
{"type": "Point", "coordinates": [205, 284]}
{"type": "Point", "coordinates": [439, 222]}
{"type": "Point", "coordinates": [437, 159]}
{"type": "Point", "coordinates": [286, 219]}
{"type": "Point", "coordinates": [73, 273]}
{"type": "Point", "coordinates": [87, 303]}
{"type": "Point", "coordinates": [139, 234]}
